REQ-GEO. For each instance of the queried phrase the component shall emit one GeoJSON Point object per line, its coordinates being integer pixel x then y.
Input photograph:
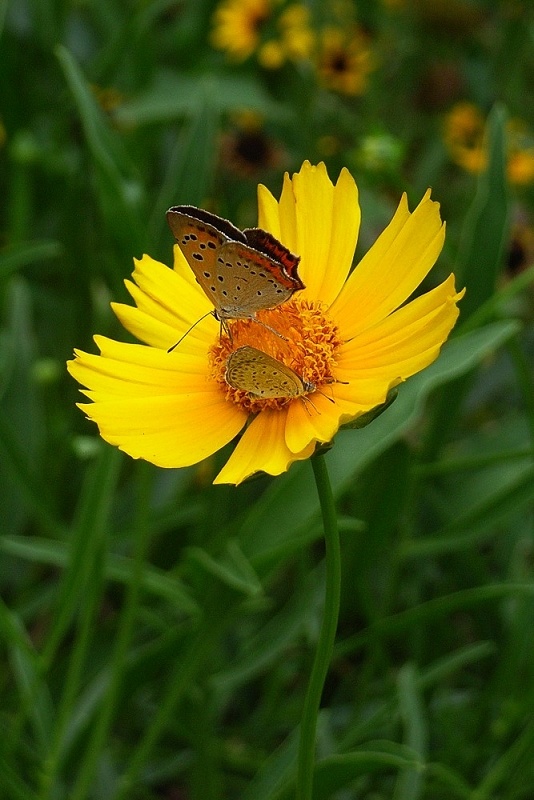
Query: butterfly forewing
{"type": "Point", "coordinates": [238, 277]}
{"type": "Point", "coordinates": [261, 375]}
{"type": "Point", "coordinates": [246, 282]}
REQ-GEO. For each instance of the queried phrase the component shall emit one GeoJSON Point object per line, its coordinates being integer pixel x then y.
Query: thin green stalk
{"type": "Point", "coordinates": [218, 610]}
{"type": "Point", "coordinates": [325, 645]}
{"type": "Point", "coordinates": [77, 662]}
{"type": "Point", "coordinates": [119, 657]}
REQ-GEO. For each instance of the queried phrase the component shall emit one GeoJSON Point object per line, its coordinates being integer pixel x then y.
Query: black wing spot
{"type": "Point", "coordinates": [206, 274]}
{"type": "Point", "coordinates": [220, 278]}
{"type": "Point", "coordinates": [212, 245]}
{"type": "Point", "coordinates": [198, 256]}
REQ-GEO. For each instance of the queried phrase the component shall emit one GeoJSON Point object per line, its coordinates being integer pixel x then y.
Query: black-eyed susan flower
{"type": "Point", "coordinates": [273, 30]}
{"type": "Point", "coordinates": [349, 338]}
{"type": "Point", "coordinates": [238, 25]}
{"type": "Point", "coordinates": [344, 59]}
{"type": "Point", "coordinates": [247, 150]}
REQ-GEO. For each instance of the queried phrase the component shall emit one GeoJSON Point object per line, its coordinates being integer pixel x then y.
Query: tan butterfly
{"type": "Point", "coordinates": [263, 376]}
{"type": "Point", "coordinates": [241, 272]}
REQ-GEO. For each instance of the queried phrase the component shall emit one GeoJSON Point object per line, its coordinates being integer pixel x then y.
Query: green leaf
{"type": "Point", "coordinates": [485, 231]}
{"type": "Point", "coordinates": [89, 528]}
{"type": "Point", "coordinates": [21, 255]}
{"type": "Point", "coordinates": [339, 771]}
{"type": "Point", "coordinates": [190, 168]}
{"type": "Point", "coordinates": [175, 95]}
{"type": "Point", "coordinates": [232, 567]}
{"type": "Point", "coordinates": [35, 703]}
{"type": "Point", "coordinates": [280, 521]}
{"type": "Point", "coordinates": [118, 568]}
{"type": "Point", "coordinates": [276, 636]}
{"type": "Point", "coordinates": [21, 419]}
{"type": "Point", "coordinates": [119, 187]}
{"type": "Point", "coordinates": [410, 783]}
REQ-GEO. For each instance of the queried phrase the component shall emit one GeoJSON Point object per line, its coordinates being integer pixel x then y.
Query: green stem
{"type": "Point", "coordinates": [325, 645]}
{"type": "Point", "coordinates": [101, 727]}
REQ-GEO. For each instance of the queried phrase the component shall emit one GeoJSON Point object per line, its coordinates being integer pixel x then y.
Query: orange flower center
{"type": "Point", "coordinates": [308, 349]}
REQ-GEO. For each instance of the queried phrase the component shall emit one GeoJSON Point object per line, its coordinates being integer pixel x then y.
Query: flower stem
{"type": "Point", "coordinates": [325, 645]}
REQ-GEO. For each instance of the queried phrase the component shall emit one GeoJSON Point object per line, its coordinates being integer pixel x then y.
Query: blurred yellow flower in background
{"type": "Point", "coordinates": [238, 24]}
{"type": "Point", "coordinates": [464, 138]}
{"type": "Point", "coordinates": [344, 60]}
{"type": "Point", "coordinates": [274, 32]}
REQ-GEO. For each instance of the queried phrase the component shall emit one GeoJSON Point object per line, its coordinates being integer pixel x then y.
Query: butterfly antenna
{"type": "Point", "coordinates": [264, 324]}
{"type": "Point", "coordinates": [330, 399]}
{"type": "Point", "coordinates": [175, 345]}
{"type": "Point", "coordinates": [307, 400]}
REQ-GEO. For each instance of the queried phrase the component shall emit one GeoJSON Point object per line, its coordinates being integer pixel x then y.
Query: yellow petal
{"type": "Point", "coordinates": [169, 431]}
{"type": "Point", "coordinates": [391, 270]}
{"type": "Point", "coordinates": [308, 424]}
{"type": "Point", "coordinates": [407, 341]}
{"type": "Point", "coordinates": [131, 377]}
{"type": "Point", "coordinates": [155, 405]}
{"type": "Point", "coordinates": [268, 217]}
{"type": "Point", "coordinates": [346, 217]}
{"type": "Point", "coordinates": [317, 221]}
{"type": "Point", "coordinates": [167, 306]}
{"type": "Point", "coordinates": [262, 447]}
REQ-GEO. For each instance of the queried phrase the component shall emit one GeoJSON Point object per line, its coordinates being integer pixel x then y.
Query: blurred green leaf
{"type": "Point", "coordinates": [120, 190]}
{"type": "Point", "coordinates": [485, 230]}
{"type": "Point", "coordinates": [36, 702]}
{"type": "Point", "coordinates": [90, 526]}
{"type": "Point", "coordinates": [338, 771]}
{"type": "Point", "coordinates": [20, 255]}
{"type": "Point", "coordinates": [118, 568]}
{"type": "Point", "coordinates": [232, 567]}
{"type": "Point", "coordinates": [174, 96]}
{"type": "Point", "coordinates": [281, 632]}
{"type": "Point", "coordinates": [279, 523]}
{"type": "Point", "coordinates": [21, 419]}
{"type": "Point", "coordinates": [410, 782]}
{"type": "Point", "coordinates": [190, 168]}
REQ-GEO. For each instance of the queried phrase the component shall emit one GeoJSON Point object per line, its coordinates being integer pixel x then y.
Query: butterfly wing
{"type": "Point", "coordinates": [250, 281]}
{"type": "Point", "coordinates": [240, 272]}
{"type": "Point", "coordinates": [200, 236]}
{"type": "Point", "coordinates": [267, 244]}
{"type": "Point", "coordinates": [261, 375]}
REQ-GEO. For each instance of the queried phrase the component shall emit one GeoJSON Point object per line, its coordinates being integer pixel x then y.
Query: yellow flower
{"type": "Point", "coordinates": [296, 32]}
{"type": "Point", "coordinates": [244, 27]}
{"type": "Point", "coordinates": [349, 336]}
{"type": "Point", "coordinates": [344, 60]}
{"type": "Point", "coordinates": [238, 25]}
{"type": "Point", "coordinates": [463, 136]}
{"type": "Point", "coordinates": [464, 139]}
{"type": "Point", "coordinates": [520, 153]}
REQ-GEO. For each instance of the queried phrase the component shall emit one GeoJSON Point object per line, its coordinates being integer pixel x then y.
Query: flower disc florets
{"type": "Point", "coordinates": [308, 347]}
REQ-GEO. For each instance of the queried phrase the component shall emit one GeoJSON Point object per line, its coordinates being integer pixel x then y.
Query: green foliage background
{"type": "Point", "coordinates": [156, 631]}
